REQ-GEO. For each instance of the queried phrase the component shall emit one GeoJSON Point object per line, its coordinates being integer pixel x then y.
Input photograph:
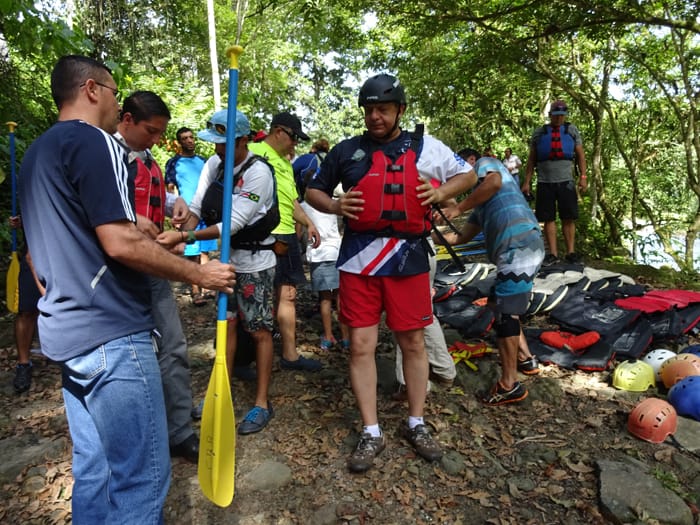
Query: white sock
{"type": "Point", "coordinates": [373, 430]}
{"type": "Point", "coordinates": [413, 422]}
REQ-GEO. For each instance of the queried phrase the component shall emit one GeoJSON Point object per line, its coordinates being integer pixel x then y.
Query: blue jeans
{"type": "Point", "coordinates": [116, 414]}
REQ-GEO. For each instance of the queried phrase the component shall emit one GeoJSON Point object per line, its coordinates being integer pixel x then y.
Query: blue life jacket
{"type": "Point", "coordinates": [555, 144]}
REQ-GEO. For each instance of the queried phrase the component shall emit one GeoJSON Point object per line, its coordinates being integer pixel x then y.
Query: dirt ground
{"type": "Point", "coordinates": [527, 464]}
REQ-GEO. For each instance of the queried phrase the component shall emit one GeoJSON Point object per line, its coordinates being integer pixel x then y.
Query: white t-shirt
{"type": "Point", "coordinates": [252, 197]}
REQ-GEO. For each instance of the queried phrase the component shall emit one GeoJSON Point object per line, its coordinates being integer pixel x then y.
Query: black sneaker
{"type": "Point", "coordinates": [23, 378]}
{"type": "Point", "coordinates": [550, 259]}
{"type": "Point", "coordinates": [425, 446]}
{"type": "Point", "coordinates": [303, 364]}
{"type": "Point", "coordinates": [498, 395]}
{"type": "Point", "coordinates": [574, 258]}
{"type": "Point", "coordinates": [366, 450]}
{"type": "Point", "coordinates": [529, 367]}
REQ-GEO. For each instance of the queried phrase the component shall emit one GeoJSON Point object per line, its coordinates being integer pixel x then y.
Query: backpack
{"type": "Point", "coordinates": [555, 145]}
{"type": "Point", "coordinates": [251, 235]}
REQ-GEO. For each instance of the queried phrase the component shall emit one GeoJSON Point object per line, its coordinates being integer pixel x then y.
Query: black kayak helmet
{"type": "Point", "coordinates": [381, 88]}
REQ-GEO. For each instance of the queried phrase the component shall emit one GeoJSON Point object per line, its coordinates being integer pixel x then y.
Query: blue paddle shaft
{"type": "Point", "coordinates": [228, 179]}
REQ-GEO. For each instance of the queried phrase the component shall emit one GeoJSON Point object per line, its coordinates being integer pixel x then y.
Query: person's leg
{"type": "Point", "coordinates": [287, 319]}
{"type": "Point", "coordinates": [255, 308]}
{"type": "Point", "coordinates": [508, 353]}
{"type": "Point", "coordinates": [415, 369]}
{"type": "Point", "coordinates": [116, 415]}
{"type": "Point", "coordinates": [326, 297]}
{"type": "Point", "coordinates": [263, 363]}
{"type": "Point", "coordinates": [550, 236]}
{"type": "Point", "coordinates": [25, 326]}
{"type": "Point", "coordinates": [363, 371]}
{"type": "Point", "coordinates": [568, 228]}
{"type": "Point", "coordinates": [173, 362]}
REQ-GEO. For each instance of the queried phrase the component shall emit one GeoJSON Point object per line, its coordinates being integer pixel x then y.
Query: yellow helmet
{"type": "Point", "coordinates": [635, 376]}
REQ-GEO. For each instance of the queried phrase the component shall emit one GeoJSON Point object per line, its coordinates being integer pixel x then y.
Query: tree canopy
{"type": "Point", "coordinates": [476, 72]}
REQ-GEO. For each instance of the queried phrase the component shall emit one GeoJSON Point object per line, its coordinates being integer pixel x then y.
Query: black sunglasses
{"type": "Point", "coordinates": [293, 136]}
{"type": "Point", "coordinates": [218, 128]}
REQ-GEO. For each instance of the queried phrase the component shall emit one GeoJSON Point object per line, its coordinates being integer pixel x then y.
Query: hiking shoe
{"type": "Point", "coordinates": [500, 396]}
{"type": "Point", "coordinates": [255, 420]}
{"type": "Point", "coordinates": [425, 446]}
{"type": "Point", "coordinates": [401, 393]}
{"type": "Point", "coordinates": [574, 258]}
{"type": "Point", "coordinates": [440, 380]}
{"type": "Point", "coordinates": [529, 367]}
{"type": "Point", "coordinates": [366, 450]}
{"type": "Point", "coordinates": [23, 378]}
{"type": "Point", "coordinates": [550, 259]}
{"type": "Point", "coordinates": [303, 363]}
{"type": "Point", "coordinates": [327, 344]}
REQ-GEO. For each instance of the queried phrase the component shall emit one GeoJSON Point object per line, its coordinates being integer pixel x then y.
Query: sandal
{"type": "Point", "coordinates": [199, 299]}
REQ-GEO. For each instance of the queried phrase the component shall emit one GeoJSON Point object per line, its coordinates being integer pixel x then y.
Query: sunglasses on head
{"type": "Point", "coordinates": [218, 128]}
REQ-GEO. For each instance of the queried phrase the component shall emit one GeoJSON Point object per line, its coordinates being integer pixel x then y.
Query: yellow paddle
{"type": "Point", "coordinates": [12, 283]}
{"type": "Point", "coordinates": [217, 446]}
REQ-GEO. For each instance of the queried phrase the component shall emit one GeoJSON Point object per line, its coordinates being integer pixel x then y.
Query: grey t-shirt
{"type": "Point", "coordinates": [555, 170]}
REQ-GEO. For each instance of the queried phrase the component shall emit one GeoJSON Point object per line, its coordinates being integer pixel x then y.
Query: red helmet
{"type": "Point", "coordinates": [652, 420]}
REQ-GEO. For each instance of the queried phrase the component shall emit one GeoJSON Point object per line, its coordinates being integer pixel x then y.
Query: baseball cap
{"type": "Point", "coordinates": [216, 127]}
{"type": "Point", "coordinates": [558, 107]}
{"type": "Point", "coordinates": [288, 120]}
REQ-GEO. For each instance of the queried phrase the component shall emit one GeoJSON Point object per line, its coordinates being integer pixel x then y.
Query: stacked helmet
{"type": "Point", "coordinates": [679, 367]}
{"type": "Point", "coordinates": [656, 358]}
{"type": "Point", "coordinates": [635, 376]}
{"type": "Point", "coordinates": [685, 397]}
{"type": "Point", "coordinates": [652, 420]}
{"type": "Point", "coordinates": [381, 88]}
{"type": "Point", "coordinates": [692, 349]}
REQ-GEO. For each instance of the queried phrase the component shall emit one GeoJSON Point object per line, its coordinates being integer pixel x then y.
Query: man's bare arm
{"type": "Point", "coordinates": [123, 242]}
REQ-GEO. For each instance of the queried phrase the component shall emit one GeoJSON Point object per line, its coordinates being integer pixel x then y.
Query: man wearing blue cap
{"type": "Point", "coordinates": [253, 210]}
{"type": "Point", "coordinates": [553, 149]}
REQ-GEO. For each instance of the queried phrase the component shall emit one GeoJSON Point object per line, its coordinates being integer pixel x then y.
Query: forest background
{"type": "Point", "coordinates": [477, 73]}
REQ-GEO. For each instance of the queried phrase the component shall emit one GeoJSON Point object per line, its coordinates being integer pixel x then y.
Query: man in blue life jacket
{"type": "Point", "coordinates": [387, 175]}
{"type": "Point", "coordinates": [553, 149]}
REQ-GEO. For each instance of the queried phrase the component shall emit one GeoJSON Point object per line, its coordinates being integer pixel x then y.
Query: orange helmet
{"type": "Point", "coordinates": [679, 367]}
{"type": "Point", "coordinates": [652, 420]}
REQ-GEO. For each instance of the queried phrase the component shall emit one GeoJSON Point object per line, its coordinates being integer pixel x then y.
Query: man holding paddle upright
{"type": "Point", "coordinates": [95, 316]}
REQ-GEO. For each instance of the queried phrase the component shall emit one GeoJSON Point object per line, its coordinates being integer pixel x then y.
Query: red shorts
{"type": "Point", "coordinates": [406, 301]}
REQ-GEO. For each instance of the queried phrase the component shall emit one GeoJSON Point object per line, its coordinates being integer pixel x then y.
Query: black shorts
{"type": "Point", "coordinates": [290, 268]}
{"type": "Point", "coordinates": [29, 293]}
{"type": "Point", "coordinates": [556, 195]}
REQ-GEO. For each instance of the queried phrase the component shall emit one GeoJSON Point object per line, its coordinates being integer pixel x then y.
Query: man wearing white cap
{"type": "Point", "coordinates": [253, 205]}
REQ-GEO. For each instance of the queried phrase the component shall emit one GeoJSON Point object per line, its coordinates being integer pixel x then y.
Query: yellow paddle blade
{"type": "Point", "coordinates": [12, 284]}
{"type": "Point", "coordinates": [217, 445]}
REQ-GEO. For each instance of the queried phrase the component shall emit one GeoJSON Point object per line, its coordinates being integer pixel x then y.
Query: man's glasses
{"type": "Point", "coordinates": [218, 128]}
{"type": "Point", "coordinates": [114, 91]}
{"type": "Point", "coordinates": [293, 136]}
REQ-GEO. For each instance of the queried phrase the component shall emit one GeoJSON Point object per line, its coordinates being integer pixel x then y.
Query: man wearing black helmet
{"type": "Point", "coordinates": [390, 178]}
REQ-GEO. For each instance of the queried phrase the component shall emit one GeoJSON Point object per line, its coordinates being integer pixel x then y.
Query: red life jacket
{"type": "Point", "coordinates": [149, 191]}
{"type": "Point", "coordinates": [392, 207]}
